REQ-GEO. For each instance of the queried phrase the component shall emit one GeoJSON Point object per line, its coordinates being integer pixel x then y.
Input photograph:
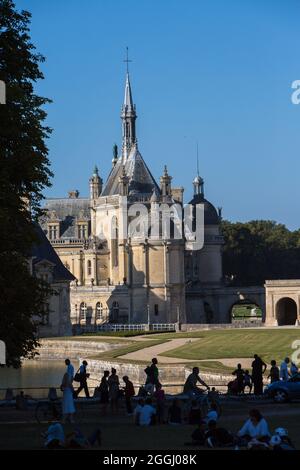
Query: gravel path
{"type": "Point", "coordinates": [147, 354]}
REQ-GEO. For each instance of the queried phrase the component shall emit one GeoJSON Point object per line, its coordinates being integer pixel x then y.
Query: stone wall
{"type": "Point", "coordinates": [213, 326]}
{"type": "Point", "coordinates": [174, 374]}
{"type": "Point", "coordinates": [73, 349]}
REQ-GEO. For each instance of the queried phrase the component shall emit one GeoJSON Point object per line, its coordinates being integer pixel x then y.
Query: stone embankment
{"type": "Point", "coordinates": [74, 349]}
{"type": "Point", "coordinates": [77, 350]}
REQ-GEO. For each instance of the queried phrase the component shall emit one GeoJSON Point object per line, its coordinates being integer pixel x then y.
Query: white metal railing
{"type": "Point", "coordinates": [126, 327]}
{"type": "Point", "coordinates": [162, 326]}
{"type": "Point", "coordinates": [121, 327]}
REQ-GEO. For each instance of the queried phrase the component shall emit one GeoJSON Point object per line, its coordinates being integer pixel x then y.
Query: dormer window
{"type": "Point", "coordinates": [53, 230]}
{"type": "Point", "coordinates": [82, 230]}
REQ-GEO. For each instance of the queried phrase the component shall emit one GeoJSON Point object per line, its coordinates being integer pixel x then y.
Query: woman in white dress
{"type": "Point", "coordinates": [68, 406]}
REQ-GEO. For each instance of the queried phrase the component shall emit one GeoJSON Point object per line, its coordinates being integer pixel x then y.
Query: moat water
{"type": "Point", "coordinates": [34, 374]}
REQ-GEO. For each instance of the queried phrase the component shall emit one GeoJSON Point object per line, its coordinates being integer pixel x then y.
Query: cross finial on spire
{"type": "Point", "coordinates": [127, 60]}
{"type": "Point", "coordinates": [197, 161]}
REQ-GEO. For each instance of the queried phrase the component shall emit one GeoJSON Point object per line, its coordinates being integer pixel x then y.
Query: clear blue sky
{"type": "Point", "coordinates": [215, 71]}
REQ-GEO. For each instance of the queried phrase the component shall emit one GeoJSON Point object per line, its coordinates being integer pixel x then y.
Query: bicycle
{"type": "Point", "coordinates": [48, 411]}
{"type": "Point", "coordinates": [206, 400]}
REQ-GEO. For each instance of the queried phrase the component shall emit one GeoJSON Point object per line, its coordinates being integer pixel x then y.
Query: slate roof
{"type": "Point", "coordinates": [210, 213]}
{"type": "Point", "coordinates": [44, 251]}
{"type": "Point", "coordinates": [140, 178]}
{"type": "Point", "coordinates": [67, 210]}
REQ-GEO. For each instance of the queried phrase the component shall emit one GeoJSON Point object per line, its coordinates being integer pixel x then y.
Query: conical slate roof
{"type": "Point", "coordinates": [140, 178]}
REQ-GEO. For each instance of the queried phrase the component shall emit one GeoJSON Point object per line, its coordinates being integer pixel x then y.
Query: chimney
{"type": "Point", "coordinates": [73, 194]}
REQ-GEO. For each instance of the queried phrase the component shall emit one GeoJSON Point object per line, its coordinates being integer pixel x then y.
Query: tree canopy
{"type": "Point", "coordinates": [258, 250]}
{"type": "Point", "coordinates": [24, 173]}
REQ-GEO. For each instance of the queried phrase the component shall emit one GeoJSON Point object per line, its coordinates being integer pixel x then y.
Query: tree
{"type": "Point", "coordinates": [24, 173]}
{"type": "Point", "coordinates": [258, 250]}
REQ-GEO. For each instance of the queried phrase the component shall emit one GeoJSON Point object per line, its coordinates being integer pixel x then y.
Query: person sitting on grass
{"type": "Point", "coordinates": [77, 440]}
{"type": "Point", "coordinates": [137, 411]}
{"type": "Point", "coordinates": [198, 435]}
{"type": "Point", "coordinates": [281, 441]}
{"type": "Point", "coordinates": [239, 373]}
{"type": "Point", "coordinates": [255, 428]}
{"type": "Point", "coordinates": [194, 416]}
{"type": "Point", "coordinates": [159, 395]}
{"type": "Point", "coordinates": [174, 413]}
{"type": "Point", "coordinates": [147, 414]}
{"type": "Point", "coordinates": [218, 437]}
{"type": "Point", "coordinates": [212, 414]}
{"type": "Point", "coordinates": [54, 436]}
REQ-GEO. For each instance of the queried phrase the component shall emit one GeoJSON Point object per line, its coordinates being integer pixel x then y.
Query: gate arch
{"type": "Point", "coordinates": [286, 311]}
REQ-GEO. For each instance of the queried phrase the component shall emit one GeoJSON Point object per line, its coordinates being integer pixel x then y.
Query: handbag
{"type": "Point", "coordinates": [77, 376]}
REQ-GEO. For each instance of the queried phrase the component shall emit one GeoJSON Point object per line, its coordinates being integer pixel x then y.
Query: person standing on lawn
{"type": "Point", "coordinates": [258, 369]}
{"type": "Point", "coordinates": [83, 376]}
{"type": "Point", "coordinates": [152, 373]}
{"type": "Point", "coordinates": [129, 393]}
{"type": "Point", "coordinates": [274, 372]}
{"type": "Point", "coordinates": [284, 371]}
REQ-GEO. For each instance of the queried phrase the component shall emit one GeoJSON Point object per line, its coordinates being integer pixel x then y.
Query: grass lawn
{"type": "Point", "coordinates": [119, 432]}
{"type": "Point", "coordinates": [127, 348]}
{"type": "Point", "coordinates": [239, 343]}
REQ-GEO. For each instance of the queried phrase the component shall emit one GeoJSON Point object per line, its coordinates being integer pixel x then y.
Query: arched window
{"type": "Point", "coordinates": [99, 311]}
{"type": "Point", "coordinates": [115, 311]}
{"type": "Point", "coordinates": [82, 311]}
{"type": "Point", "coordinates": [89, 267]}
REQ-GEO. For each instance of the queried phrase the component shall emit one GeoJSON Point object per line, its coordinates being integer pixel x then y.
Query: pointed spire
{"type": "Point", "coordinates": [128, 102]}
{"type": "Point", "coordinates": [96, 171]}
{"type": "Point", "coordinates": [198, 181]}
{"type": "Point", "coordinates": [128, 116]}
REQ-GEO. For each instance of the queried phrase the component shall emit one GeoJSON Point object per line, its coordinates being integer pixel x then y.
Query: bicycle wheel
{"type": "Point", "coordinates": [206, 406]}
{"type": "Point", "coordinates": [46, 412]}
{"type": "Point", "coordinates": [42, 413]}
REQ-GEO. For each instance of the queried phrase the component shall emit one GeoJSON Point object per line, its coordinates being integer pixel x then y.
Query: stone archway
{"type": "Point", "coordinates": [286, 311]}
{"type": "Point", "coordinates": [249, 309]}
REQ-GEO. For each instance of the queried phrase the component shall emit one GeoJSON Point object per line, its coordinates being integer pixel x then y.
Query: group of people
{"type": "Point", "coordinates": [254, 434]}
{"type": "Point", "coordinates": [110, 391]}
{"type": "Point", "coordinates": [151, 407]}
{"type": "Point", "coordinates": [55, 438]}
{"type": "Point", "coordinates": [244, 381]}
{"type": "Point", "coordinates": [151, 411]}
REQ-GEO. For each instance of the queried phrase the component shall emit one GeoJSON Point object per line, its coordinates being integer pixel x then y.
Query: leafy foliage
{"type": "Point", "coordinates": [258, 250]}
{"type": "Point", "coordinates": [24, 172]}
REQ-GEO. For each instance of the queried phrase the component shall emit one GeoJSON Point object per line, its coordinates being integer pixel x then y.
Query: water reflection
{"type": "Point", "coordinates": [33, 374]}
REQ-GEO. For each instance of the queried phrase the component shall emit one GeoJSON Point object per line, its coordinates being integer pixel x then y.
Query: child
{"type": "Point", "coordinates": [274, 372]}
{"type": "Point", "coordinates": [212, 414]}
{"type": "Point", "coordinates": [137, 411]}
{"type": "Point", "coordinates": [247, 381]}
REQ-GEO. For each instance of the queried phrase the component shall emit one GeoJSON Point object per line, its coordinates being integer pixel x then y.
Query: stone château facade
{"type": "Point", "coordinates": [140, 279]}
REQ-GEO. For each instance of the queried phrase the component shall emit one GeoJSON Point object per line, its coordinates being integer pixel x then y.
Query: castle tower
{"type": "Point", "coordinates": [95, 184]}
{"type": "Point", "coordinates": [165, 185]}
